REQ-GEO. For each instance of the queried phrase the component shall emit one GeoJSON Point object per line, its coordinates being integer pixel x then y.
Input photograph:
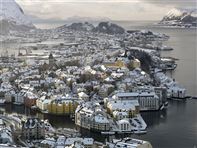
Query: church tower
{"type": "Point", "coordinates": [51, 60]}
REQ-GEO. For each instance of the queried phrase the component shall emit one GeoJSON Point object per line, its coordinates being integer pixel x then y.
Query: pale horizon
{"type": "Point", "coordinates": [126, 10]}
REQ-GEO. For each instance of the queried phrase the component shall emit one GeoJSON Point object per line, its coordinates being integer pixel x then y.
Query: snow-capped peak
{"type": "Point", "coordinates": [12, 12]}
{"type": "Point", "coordinates": [180, 12]}
{"type": "Point", "coordinates": [175, 12]}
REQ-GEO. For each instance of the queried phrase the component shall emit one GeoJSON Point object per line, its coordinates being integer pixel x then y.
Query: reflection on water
{"type": "Point", "coordinates": [154, 118]}
{"type": "Point", "coordinates": [176, 125]}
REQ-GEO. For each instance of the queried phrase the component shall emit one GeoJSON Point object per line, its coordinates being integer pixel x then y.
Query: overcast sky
{"type": "Point", "coordinates": [113, 9]}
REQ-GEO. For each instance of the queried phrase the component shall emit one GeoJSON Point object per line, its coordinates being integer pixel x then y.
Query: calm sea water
{"type": "Point", "coordinates": [175, 127]}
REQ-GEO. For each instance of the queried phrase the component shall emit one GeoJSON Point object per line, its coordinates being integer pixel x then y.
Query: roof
{"type": "Point", "coordinates": [135, 94]}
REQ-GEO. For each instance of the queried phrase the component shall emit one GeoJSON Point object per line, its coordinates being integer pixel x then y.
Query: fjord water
{"type": "Point", "coordinates": [175, 127]}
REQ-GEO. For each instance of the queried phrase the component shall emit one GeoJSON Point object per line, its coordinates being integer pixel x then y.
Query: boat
{"type": "Point", "coordinates": [139, 132]}
{"type": "Point", "coordinates": [166, 103]}
{"type": "Point", "coordinates": [194, 97]}
{"type": "Point", "coordinates": [162, 107]}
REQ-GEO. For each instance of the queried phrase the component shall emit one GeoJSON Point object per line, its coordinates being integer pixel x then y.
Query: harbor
{"type": "Point", "coordinates": [97, 84]}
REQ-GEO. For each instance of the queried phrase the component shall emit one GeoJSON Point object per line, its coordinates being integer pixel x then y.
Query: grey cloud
{"type": "Point", "coordinates": [174, 3]}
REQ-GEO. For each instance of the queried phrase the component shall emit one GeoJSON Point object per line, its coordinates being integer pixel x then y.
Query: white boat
{"type": "Point", "coordinates": [162, 107]}
{"type": "Point", "coordinates": [139, 131]}
{"type": "Point", "coordinates": [17, 103]}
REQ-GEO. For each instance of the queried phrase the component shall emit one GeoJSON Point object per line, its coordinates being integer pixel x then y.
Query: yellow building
{"type": "Point", "coordinates": [115, 64]}
{"type": "Point", "coordinates": [62, 106]}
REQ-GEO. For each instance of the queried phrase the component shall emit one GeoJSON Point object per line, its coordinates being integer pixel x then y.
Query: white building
{"type": "Point", "coordinates": [42, 103]}
{"type": "Point", "coordinates": [92, 117]}
{"type": "Point", "coordinates": [147, 100]}
{"type": "Point", "coordinates": [129, 142]}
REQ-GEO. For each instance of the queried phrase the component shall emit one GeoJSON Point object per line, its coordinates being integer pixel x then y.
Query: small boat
{"type": "Point", "coordinates": [194, 97]}
{"type": "Point", "coordinates": [162, 107]}
{"type": "Point", "coordinates": [139, 132]}
{"type": "Point", "coordinates": [18, 103]}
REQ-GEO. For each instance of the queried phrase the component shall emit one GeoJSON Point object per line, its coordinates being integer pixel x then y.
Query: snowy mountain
{"type": "Point", "coordinates": [12, 17]}
{"type": "Point", "coordinates": [180, 17]}
{"type": "Point", "coordinates": [102, 27]}
{"type": "Point", "coordinates": [109, 28]}
{"type": "Point", "coordinates": [81, 26]}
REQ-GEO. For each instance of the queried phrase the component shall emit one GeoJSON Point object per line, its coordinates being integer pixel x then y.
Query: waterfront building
{"type": "Point", "coordinates": [19, 97]}
{"type": "Point", "coordinates": [91, 116]}
{"type": "Point", "coordinates": [62, 105]}
{"type": "Point", "coordinates": [174, 90]}
{"type": "Point", "coordinates": [30, 99]}
{"type": "Point", "coordinates": [42, 103]}
{"type": "Point", "coordinates": [121, 109]}
{"type": "Point", "coordinates": [160, 91]}
{"type": "Point", "coordinates": [124, 125]}
{"type": "Point", "coordinates": [33, 129]}
{"type": "Point", "coordinates": [147, 100]}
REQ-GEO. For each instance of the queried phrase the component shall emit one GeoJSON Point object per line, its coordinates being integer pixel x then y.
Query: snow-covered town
{"type": "Point", "coordinates": [101, 77]}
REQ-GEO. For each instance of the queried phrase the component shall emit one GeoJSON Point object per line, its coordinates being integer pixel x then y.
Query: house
{"type": "Point", "coordinates": [83, 96]}
{"type": "Point", "coordinates": [33, 129]}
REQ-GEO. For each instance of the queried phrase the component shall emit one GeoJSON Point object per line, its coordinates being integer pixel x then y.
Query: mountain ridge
{"type": "Point", "coordinates": [180, 17]}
